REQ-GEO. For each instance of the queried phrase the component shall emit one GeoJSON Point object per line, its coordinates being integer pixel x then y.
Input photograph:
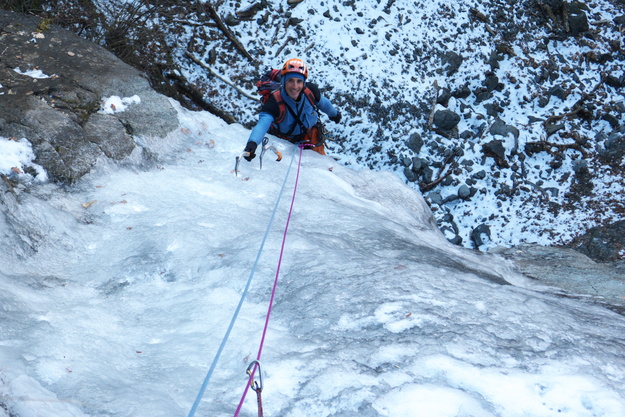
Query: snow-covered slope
{"type": "Point", "coordinates": [139, 271]}
{"type": "Point", "coordinates": [519, 81]}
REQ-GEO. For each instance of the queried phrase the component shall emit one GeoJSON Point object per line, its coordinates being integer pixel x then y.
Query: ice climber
{"type": "Point", "coordinates": [290, 112]}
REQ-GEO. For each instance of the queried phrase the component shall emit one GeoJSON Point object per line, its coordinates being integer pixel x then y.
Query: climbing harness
{"type": "Point", "coordinates": [243, 295]}
{"type": "Point", "coordinates": [251, 382]}
{"type": "Point", "coordinates": [264, 147]}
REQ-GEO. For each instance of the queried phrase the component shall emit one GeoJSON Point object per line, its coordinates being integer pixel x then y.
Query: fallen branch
{"type": "Point", "coordinates": [275, 35]}
{"type": "Point", "coordinates": [192, 93]}
{"type": "Point", "coordinates": [225, 80]}
{"type": "Point", "coordinates": [578, 106]}
{"type": "Point", "coordinates": [286, 42]}
{"type": "Point", "coordinates": [227, 32]}
{"type": "Point", "coordinates": [423, 187]}
{"type": "Point", "coordinates": [537, 147]}
{"type": "Point", "coordinates": [431, 118]}
{"type": "Point", "coordinates": [428, 186]}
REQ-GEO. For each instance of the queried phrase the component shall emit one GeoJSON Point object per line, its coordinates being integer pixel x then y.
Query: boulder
{"type": "Point", "coordinates": [446, 119]}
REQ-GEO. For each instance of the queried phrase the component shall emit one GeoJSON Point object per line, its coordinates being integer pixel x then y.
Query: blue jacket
{"type": "Point", "coordinates": [302, 107]}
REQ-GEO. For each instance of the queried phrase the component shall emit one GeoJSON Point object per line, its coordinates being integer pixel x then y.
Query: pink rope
{"type": "Point", "coordinates": [273, 291]}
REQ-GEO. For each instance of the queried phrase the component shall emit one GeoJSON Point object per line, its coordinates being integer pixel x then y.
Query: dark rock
{"type": "Point", "coordinates": [443, 97]}
{"type": "Point", "coordinates": [555, 5]}
{"type": "Point", "coordinates": [490, 82]}
{"type": "Point", "coordinates": [480, 175]}
{"type": "Point", "coordinates": [607, 57]}
{"type": "Point", "coordinates": [583, 177]}
{"type": "Point", "coordinates": [410, 175]}
{"type": "Point", "coordinates": [446, 119]}
{"type": "Point", "coordinates": [435, 197]}
{"type": "Point", "coordinates": [294, 21]}
{"type": "Point", "coordinates": [480, 129]}
{"type": "Point", "coordinates": [543, 101]}
{"type": "Point", "coordinates": [419, 164]}
{"type": "Point", "coordinates": [496, 150]}
{"type": "Point", "coordinates": [552, 191]}
{"type": "Point", "coordinates": [578, 23]}
{"type": "Point", "coordinates": [467, 134]}
{"type": "Point", "coordinates": [482, 94]}
{"type": "Point", "coordinates": [494, 59]}
{"type": "Point", "coordinates": [556, 162]}
{"type": "Point", "coordinates": [250, 11]}
{"type": "Point", "coordinates": [456, 240]}
{"type": "Point", "coordinates": [493, 109]}
{"type": "Point", "coordinates": [449, 198]}
{"type": "Point", "coordinates": [464, 192]}
{"type": "Point", "coordinates": [499, 127]}
{"type": "Point", "coordinates": [451, 61]}
{"type": "Point", "coordinates": [415, 142]}
{"type": "Point", "coordinates": [619, 20]}
{"type": "Point", "coordinates": [557, 91]}
{"type": "Point", "coordinates": [427, 174]}
{"type": "Point", "coordinates": [448, 180]}
{"type": "Point", "coordinates": [480, 235]}
{"type": "Point", "coordinates": [551, 128]}
{"type": "Point", "coordinates": [611, 119]}
{"type": "Point", "coordinates": [232, 20]}
{"type": "Point", "coordinates": [462, 93]}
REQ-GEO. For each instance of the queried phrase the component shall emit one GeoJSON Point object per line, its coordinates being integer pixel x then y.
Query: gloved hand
{"type": "Point", "coordinates": [337, 118]}
{"type": "Point", "coordinates": [251, 149]}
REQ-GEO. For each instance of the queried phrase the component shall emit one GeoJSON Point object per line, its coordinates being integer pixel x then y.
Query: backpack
{"type": "Point", "coordinates": [270, 83]}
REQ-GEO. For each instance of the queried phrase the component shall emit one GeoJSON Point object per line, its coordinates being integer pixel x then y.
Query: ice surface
{"type": "Point", "coordinates": [121, 308]}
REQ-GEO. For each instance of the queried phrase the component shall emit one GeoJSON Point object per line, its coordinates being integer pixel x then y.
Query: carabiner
{"type": "Point", "coordinates": [255, 385]}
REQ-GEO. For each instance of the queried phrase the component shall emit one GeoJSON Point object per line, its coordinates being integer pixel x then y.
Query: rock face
{"type": "Point", "coordinates": [573, 271]}
{"type": "Point", "coordinates": [53, 84]}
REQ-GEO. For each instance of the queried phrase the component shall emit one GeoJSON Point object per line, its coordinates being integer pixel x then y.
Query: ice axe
{"type": "Point", "coordinates": [264, 146]}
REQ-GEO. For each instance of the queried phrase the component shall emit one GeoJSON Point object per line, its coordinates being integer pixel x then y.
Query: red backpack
{"type": "Point", "coordinates": [270, 84]}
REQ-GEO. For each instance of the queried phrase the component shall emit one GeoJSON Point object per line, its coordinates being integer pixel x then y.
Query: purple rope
{"type": "Point", "coordinates": [273, 291]}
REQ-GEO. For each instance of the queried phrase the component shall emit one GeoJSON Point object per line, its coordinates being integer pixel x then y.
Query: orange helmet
{"type": "Point", "coordinates": [295, 65]}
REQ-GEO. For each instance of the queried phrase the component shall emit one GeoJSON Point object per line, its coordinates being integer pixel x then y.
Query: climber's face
{"type": "Point", "coordinates": [294, 87]}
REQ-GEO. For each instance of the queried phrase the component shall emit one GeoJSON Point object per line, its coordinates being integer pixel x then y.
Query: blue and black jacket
{"type": "Point", "coordinates": [298, 118]}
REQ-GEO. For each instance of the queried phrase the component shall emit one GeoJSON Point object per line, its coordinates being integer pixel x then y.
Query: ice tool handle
{"type": "Point", "coordinates": [264, 147]}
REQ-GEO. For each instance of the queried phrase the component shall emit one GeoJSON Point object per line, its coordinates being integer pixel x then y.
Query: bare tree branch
{"type": "Point", "coordinates": [225, 80]}
{"type": "Point", "coordinates": [227, 32]}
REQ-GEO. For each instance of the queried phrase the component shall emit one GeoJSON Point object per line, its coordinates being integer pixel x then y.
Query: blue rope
{"type": "Point", "coordinates": [247, 286]}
